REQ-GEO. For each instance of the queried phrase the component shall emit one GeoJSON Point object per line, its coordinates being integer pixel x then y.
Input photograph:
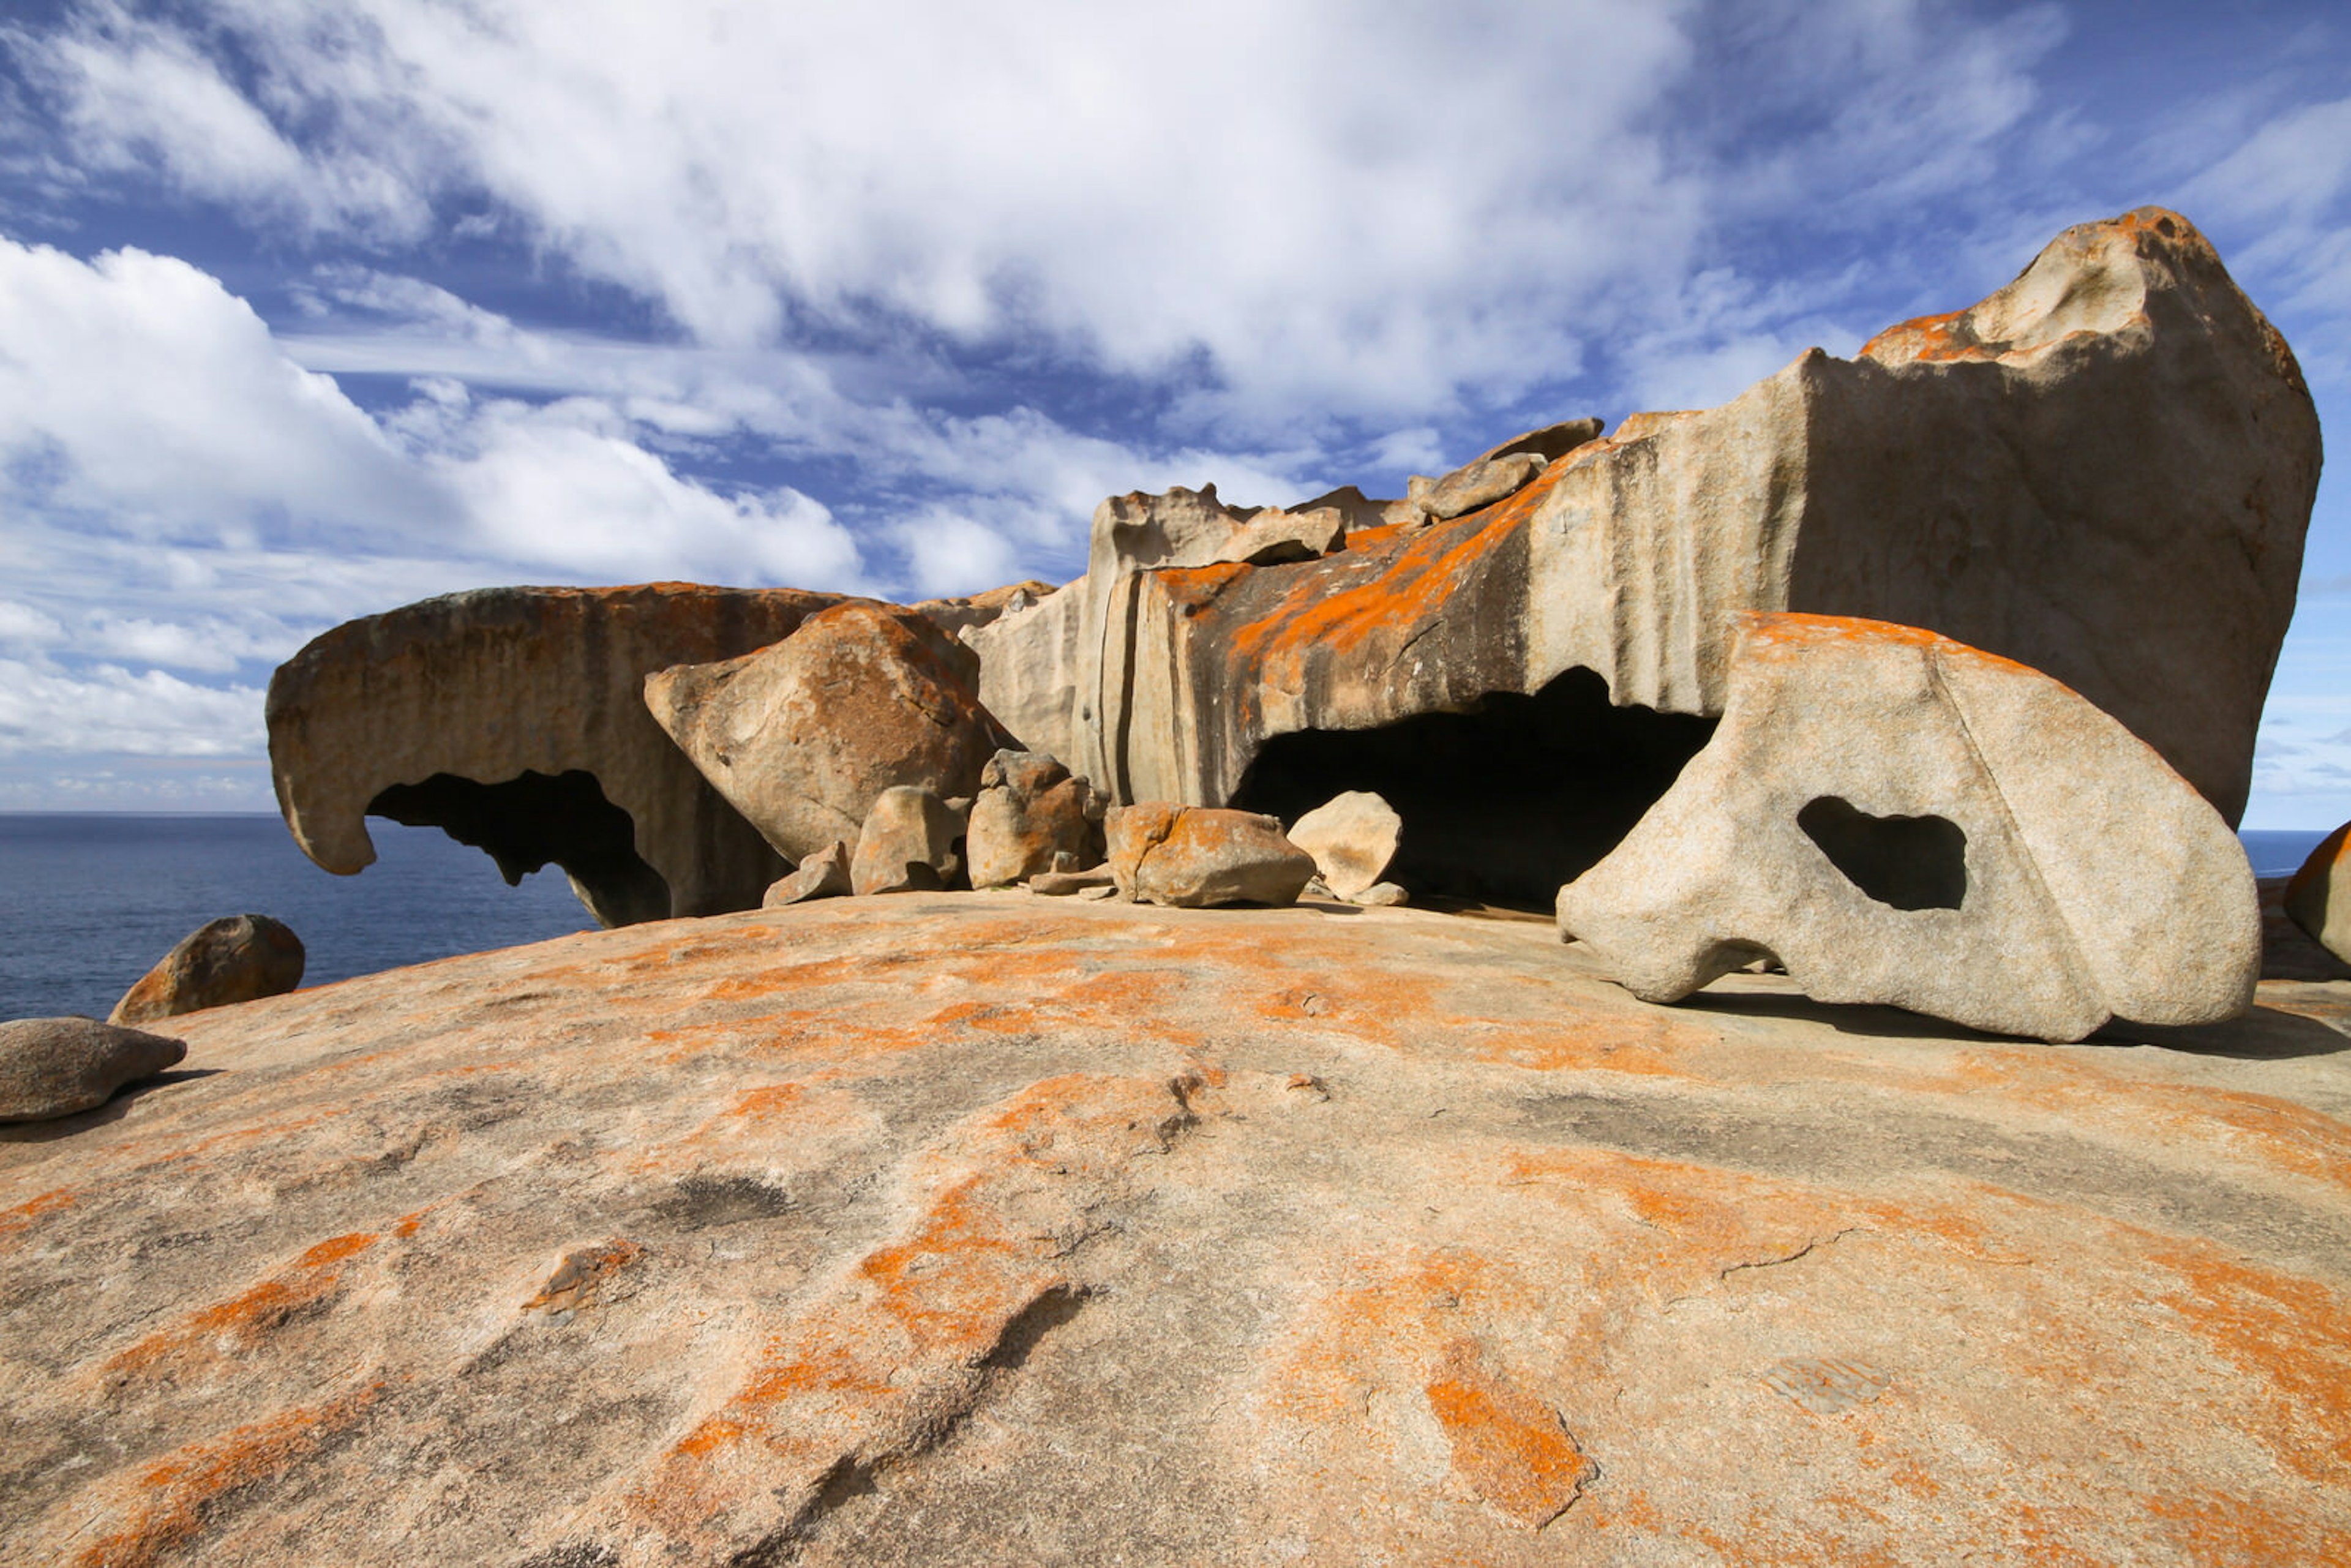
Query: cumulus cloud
{"type": "Point", "coordinates": [1289, 213]}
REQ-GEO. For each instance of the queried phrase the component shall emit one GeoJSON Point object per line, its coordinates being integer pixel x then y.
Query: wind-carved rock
{"type": "Point", "coordinates": [2104, 470]}
{"type": "Point", "coordinates": [1352, 837]}
{"type": "Point", "coordinates": [1900, 819]}
{"type": "Point", "coordinates": [800, 737]}
{"type": "Point", "coordinates": [512, 717]}
{"type": "Point", "coordinates": [913, 841]}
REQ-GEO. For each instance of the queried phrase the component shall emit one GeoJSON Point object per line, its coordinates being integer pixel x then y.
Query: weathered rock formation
{"type": "Point", "coordinates": [911, 841]}
{"type": "Point", "coordinates": [1897, 818]}
{"type": "Point", "coordinates": [1193, 857]}
{"type": "Point", "coordinates": [236, 958]}
{"type": "Point", "coordinates": [800, 737]}
{"type": "Point", "coordinates": [1352, 837]}
{"type": "Point", "coordinates": [514, 719]}
{"type": "Point", "coordinates": [2104, 470]}
{"type": "Point", "coordinates": [2318, 899]}
{"type": "Point", "coordinates": [824, 875]}
{"type": "Point", "coordinates": [55, 1067]}
{"type": "Point", "coordinates": [995, 1229]}
{"type": "Point", "coordinates": [1031, 816]}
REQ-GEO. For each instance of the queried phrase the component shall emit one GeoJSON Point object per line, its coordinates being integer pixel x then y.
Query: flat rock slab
{"type": "Point", "coordinates": [988, 1229]}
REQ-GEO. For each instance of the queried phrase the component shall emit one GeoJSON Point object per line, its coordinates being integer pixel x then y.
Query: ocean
{"type": "Point", "coordinates": [92, 900]}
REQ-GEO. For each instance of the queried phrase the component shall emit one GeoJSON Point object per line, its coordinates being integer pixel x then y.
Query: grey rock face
{"type": "Point", "coordinates": [1191, 857]}
{"type": "Point", "coordinates": [2105, 471]}
{"type": "Point", "coordinates": [1351, 837]}
{"type": "Point", "coordinates": [800, 737]}
{"type": "Point", "coordinates": [55, 1067]}
{"type": "Point", "coordinates": [1900, 819]}
{"type": "Point", "coordinates": [824, 875]}
{"type": "Point", "coordinates": [239, 959]}
{"type": "Point", "coordinates": [913, 841]}
{"type": "Point", "coordinates": [1028, 817]}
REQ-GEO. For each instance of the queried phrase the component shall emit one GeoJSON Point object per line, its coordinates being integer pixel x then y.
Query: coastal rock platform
{"type": "Point", "coordinates": [990, 1228]}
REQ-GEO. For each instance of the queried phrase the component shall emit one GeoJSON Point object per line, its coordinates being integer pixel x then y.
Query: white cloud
{"type": "Point", "coordinates": [109, 708]}
{"type": "Point", "coordinates": [948, 553]}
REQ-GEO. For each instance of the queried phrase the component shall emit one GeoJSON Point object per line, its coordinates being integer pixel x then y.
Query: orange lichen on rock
{"type": "Point", "coordinates": [1511, 1446]}
{"type": "Point", "coordinates": [2293, 1334]}
{"type": "Point", "coordinates": [15, 1220]}
{"type": "Point", "coordinates": [175, 1501]}
{"type": "Point", "coordinates": [247, 1319]}
{"type": "Point", "coordinates": [898, 1347]}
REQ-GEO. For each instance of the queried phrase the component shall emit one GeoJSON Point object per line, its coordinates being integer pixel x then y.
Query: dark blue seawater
{"type": "Point", "coordinates": [90, 901]}
{"type": "Point", "coordinates": [2280, 853]}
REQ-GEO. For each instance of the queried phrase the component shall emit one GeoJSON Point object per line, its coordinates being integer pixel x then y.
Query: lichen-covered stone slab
{"type": "Point", "coordinates": [990, 1228]}
{"type": "Point", "coordinates": [1899, 818]}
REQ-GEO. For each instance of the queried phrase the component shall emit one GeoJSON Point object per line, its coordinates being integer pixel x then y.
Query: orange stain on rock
{"type": "Point", "coordinates": [177, 1500]}
{"type": "Point", "coordinates": [2293, 1334]}
{"type": "Point", "coordinates": [15, 1221]}
{"type": "Point", "coordinates": [1508, 1445]}
{"type": "Point", "coordinates": [246, 1320]}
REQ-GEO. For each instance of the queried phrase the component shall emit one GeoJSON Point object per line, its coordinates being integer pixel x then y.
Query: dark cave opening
{"type": "Point", "coordinates": [1910, 863]}
{"type": "Point", "coordinates": [533, 821]}
{"type": "Point", "coordinates": [1503, 804]}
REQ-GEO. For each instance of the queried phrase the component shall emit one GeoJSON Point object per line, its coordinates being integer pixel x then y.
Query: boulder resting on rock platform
{"type": "Point", "coordinates": [1897, 818]}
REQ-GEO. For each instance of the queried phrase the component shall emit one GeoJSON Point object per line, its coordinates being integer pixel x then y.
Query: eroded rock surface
{"type": "Point", "coordinates": [994, 1230]}
{"type": "Point", "coordinates": [55, 1067]}
{"type": "Point", "coordinates": [1899, 818]}
{"type": "Point", "coordinates": [514, 718]}
{"type": "Point", "coordinates": [800, 737]}
{"type": "Point", "coordinates": [2104, 470]}
{"type": "Point", "coordinates": [913, 841]}
{"type": "Point", "coordinates": [236, 958]}
{"type": "Point", "coordinates": [1030, 818]}
{"type": "Point", "coordinates": [1193, 857]}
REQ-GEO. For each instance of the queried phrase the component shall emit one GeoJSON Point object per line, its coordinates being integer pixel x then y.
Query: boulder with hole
{"type": "Point", "coordinates": [55, 1067]}
{"type": "Point", "coordinates": [238, 958]}
{"type": "Point", "coordinates": [1900, 819]}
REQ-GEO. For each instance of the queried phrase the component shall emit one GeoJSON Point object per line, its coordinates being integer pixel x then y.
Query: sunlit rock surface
{"type": "Point", "coordinates": [2104, 470]}
{"type": "Point", "coordinates": [1899, 818]}
{"type": "Point", "coordinates": [988, 1229]}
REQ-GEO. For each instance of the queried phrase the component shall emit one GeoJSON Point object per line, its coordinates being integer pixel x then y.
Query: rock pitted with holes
{"type": "Point", "coordinates": [1899, 818]}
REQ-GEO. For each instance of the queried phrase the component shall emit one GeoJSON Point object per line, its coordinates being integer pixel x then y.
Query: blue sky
{"type": "Point", "coordinates": [310, 309]}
